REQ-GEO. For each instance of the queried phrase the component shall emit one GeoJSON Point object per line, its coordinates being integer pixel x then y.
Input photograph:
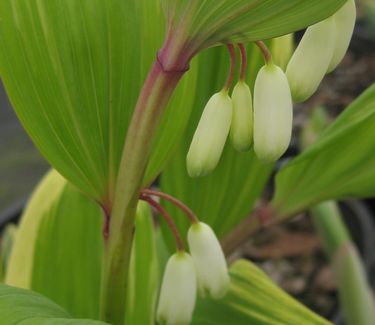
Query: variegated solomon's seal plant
{"type": "Point", "coordinates": [45, 30]}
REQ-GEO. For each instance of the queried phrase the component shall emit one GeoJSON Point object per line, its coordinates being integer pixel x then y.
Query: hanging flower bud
{"type": "Point", "coordinates": [241, 132]}
{"type": "Point", "coordinates": [178, 291]}
{"type": "Point", "coordinates": [345, 21]}
{"type": "Point", "coordinates": [273, 113]}
{"type": "Point", "coordinates": [209, 260]}
{"type": "Point", "coordinates": [210, 136]}
{"type": "Point", "coordinates": [310, 61]}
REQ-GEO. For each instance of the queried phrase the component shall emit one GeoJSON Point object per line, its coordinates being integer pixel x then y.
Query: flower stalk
{"type": "Point", "coordinates": [265, 51]}
{"type": "Point", "coordinates": [232, 69]}
{"type": "Point", "coordinates": [243, 68]}
{"type": "Point", "coordinates": [188, 212]}
{"type": "Point", "coordinates": [156, 92]}
{"type": "Point", "coordinates": [172, 226]}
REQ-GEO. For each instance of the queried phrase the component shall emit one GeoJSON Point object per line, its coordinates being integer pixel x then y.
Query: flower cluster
{"type": "Point", "coordinates": [321, 49]}
{"type": "Point", "coordinates": [265, 121]}
{"type": "Point", "coordinates": [205, 269]}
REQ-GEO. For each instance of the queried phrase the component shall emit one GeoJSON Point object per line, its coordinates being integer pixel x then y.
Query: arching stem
{"type": "Point", "coordinates": [243, 61]}
{"type": "Point", "coordinates": [188, 212]}
{"type": "Point", "coordinates": [232, 69]}
{"type": "Point", "coordinates": [172, 226]}
{"type": "Point", "coordinates": [265, 51]}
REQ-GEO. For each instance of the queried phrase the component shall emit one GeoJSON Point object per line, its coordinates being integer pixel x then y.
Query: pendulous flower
{"type": "Point", "coordinates": [273, 113]}
{"type": "Point", "coordinates": [178, 291]}
{"type": "Point", "coordinates": [210, 136]}
{"type": "Point", "coordinates": [310, 61]}
{"type": "Point", "coordinates": [209, 260]}
{"type": "Point", "coordinates": [241, 133]}
{"type": "Point", "coordinates": [345, 21]}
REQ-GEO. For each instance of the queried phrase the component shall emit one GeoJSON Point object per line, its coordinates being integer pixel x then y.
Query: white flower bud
{"type": "Point", "coordinates": [241, 133]}
{"type": "Point", "coordinates": [345, 21]}
{"type": "Point", "coordinates": [310, 61]}
{"type": "Point", "coordinates": [209, 260]}
{"type": "Point", "coordinates": [273, 113]}
{"type": "Point", "coordinates": [178, 291]}
{"type": "Point", "coordinates": [210, 136]}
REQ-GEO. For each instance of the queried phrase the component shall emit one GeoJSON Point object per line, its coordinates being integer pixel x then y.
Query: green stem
{"type": "Point", "coordinates": [328, 221]}
{"type": "Point", "coordinates": [354, 291]}
{"type": "Point", "coordinates": [152, 101]}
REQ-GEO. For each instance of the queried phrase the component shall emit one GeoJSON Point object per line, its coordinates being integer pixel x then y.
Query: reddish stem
{"type": "Point", "coordinates": [172, 226]}
{"type": "Point", "coordinates": [265, 51]}
{"type": "Point", "coordinates": [243, 61]}
{"type": "Point", "coordinates": [188, 212]}
{"type": "Point", "coordinates": [156, 92]}
{"type": "Point", "coordinates": [232, 54]}
{"type": "Point", "coordinates": [106, 227]}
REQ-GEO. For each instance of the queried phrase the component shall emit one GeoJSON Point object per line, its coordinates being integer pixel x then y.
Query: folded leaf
{"type": "Point", "coordinates": [22, 306]}
{"type": "Point", "coordinates": [339, 164]}
{"type": "Point", "coordinates": [58, 252]}
{"type": "Point", "coordinates": [46, 194]}
{"type": "Point", "coordinates": [253, 299]}
{"type": "Point", "coordinates": [73, 71]}
{"type": "Point", "coordinates": [213, 22]}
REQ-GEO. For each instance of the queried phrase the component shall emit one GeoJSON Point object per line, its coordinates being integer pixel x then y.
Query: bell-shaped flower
{"type": "Point", "coordinates": [210, 136]}
{"type": "Point", "coordinates": [241, 133]}
{"type": "Point", "coordinates": [209, 260]}
{"type": "Point", "coordinates": [178, 291]}
{"type": "Point", "coordinates": [273, 113]}
{"type": "Point", "coordinates": [345, 21]}
{"type": "Point", "coordinates": [310, 61]}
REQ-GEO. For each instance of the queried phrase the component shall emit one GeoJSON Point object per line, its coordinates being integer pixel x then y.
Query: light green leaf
{"type": "Point", "coordinates": [73, 71]}
{"type": "Point", "coordinates": [211, 22]}
{"type": "Point", "coordinates": [226, 196]}
{"type": "Point", "coordinates": [29, 308]}
{"type": "Point", "coordinates": [253, 299]}
{"type": "Point", "coordinates": [47, 192]}
{"type": "Point", "coordinates": [58, 252]}
{"type": "Point", "coordinates": [340, 163]}
{"type": "Point", "coordinates": [68, 251]}
{"type": "Point", "coordinates": [7, 238]}
{"type": "Point", "coordinates": [144, 271]}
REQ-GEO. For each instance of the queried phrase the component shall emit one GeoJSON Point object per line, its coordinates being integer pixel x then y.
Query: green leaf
{"type": "Point", "coordinates": [338, 165]}
{"type": "Point", "coordinates": [6, 244]}
{"type": "Point", "coordinates": [68, 251]}
{"type": "Point", "coordinates": [213, 22]}
{"type": "Point", "coordinates": [73, 71]}
{"type": "Point", "coordinates": [226, 196]}
{"type": "Point", "coordinates": [144, 271]}
{"type": "Point", "coordinates": [58, 252]}
{"type": "Point", "coordinates": [46, 193]}
{"type": "Point", "coordinates": [22, 306]}
{"type": "Point", "coordinates": [253, 299]}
